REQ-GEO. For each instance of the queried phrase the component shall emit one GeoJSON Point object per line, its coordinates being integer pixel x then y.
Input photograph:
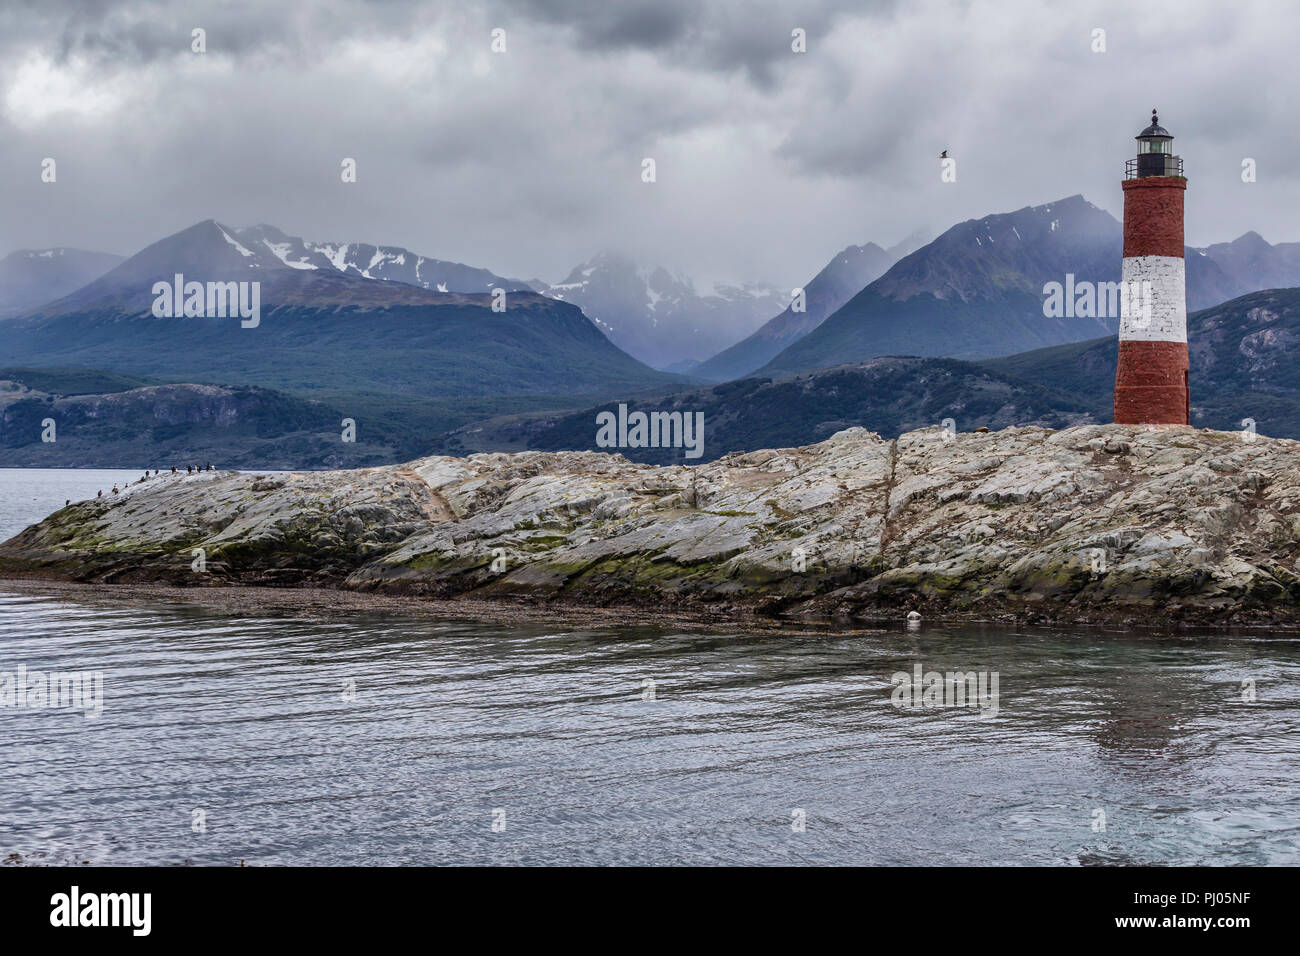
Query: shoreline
{"type": "Point", "coordinates": [326, 601]}
{"type": "Point", "coordinates": [315, 601]}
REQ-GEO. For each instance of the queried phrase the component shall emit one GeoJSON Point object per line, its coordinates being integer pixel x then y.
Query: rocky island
{"type": "Point", "coordinates": [1096, 523]}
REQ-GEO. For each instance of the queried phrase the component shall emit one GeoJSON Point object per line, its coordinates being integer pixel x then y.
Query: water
{"type": "Point", "coordinates": [453, 721]}
{"type": "Point", "coordinates": [29, 494]}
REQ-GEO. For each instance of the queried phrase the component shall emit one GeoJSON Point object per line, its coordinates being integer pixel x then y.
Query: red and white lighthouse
{"type": "Point", "coordinates": [1151, 378]}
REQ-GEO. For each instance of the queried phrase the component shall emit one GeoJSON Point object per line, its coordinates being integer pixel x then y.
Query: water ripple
{"type": "Point", "coordinates": [391, 740]}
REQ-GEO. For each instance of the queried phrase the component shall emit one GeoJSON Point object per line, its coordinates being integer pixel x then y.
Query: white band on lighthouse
{"type": "Point", "coordinates": [1153, 300]}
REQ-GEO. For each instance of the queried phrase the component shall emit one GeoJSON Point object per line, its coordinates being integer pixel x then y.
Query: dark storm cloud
{"type": "Point", "coordinates": [107, 34]}
{"type": "Point", "coordinates": [769, 161]}
{"type": "Point", "coordinates": [144, 31]}
{"type": "Point", "coordinates": [645, 24]}
{"type": "Point", "coordinates": [754, 36]}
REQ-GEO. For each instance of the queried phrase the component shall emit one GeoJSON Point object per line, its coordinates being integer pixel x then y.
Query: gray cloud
{"type": "Point", "coordinates": [753, 37]}
{"type": "Point", "coordinates": [528, 162]}
{"type": "Point", "coordinates": [643, 24]}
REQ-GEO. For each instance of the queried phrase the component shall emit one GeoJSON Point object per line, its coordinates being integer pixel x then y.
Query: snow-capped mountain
{"type": "Point", "coordinates": [320, 325]}
{"type": "Point", "coordinates": [210, 251]}
{"type": "Point", "coordinates": [660, 317]}
{"type": "Point", "coordinates": [374, 262]}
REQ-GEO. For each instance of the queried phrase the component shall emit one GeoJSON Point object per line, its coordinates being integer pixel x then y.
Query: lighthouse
{"type": "Point", "coordinates": [1151, 377]}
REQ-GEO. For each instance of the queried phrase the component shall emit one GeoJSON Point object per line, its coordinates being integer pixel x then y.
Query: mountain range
{"type": "Point", "coordinates": [1245, 364]}
{"type": "Point", "coordinates": [322, 328]}
{"type": "Point", "coordinates": [977, 290]}
{"type": "Point", "coordinates": [658, 316]}
{"type": "Point", "coordinates": [411, 346]}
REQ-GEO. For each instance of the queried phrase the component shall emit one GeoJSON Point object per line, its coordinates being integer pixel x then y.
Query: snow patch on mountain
{"type": "Point", "coordinates": [243, 251]}
{"type": "Point", "coordinates": [386, 263]}
{"type": "Point", "coordinates": [281, 251]}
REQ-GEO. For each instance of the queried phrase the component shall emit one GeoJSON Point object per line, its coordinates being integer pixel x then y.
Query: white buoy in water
{"type": "Point", "coordinates": [913, 619]}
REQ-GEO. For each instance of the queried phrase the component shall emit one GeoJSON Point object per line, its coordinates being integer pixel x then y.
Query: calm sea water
{"type": "Point", "coordinates": [467, 742]}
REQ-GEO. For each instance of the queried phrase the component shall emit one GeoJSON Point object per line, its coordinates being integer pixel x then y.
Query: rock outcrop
{"type": "Point", "coordinates": [1097, 523]}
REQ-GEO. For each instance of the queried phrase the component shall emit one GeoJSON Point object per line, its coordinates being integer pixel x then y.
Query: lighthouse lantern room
{"type": "Point", "coordinates": [1155, 153]}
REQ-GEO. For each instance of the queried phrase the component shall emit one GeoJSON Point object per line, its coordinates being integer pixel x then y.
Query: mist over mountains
{"type": "Point", "coordinates": [839, 281]}
{"type": "Point", "coordinates": [658, 316]}
{"type": "Point", "coordinates": [29, 278]}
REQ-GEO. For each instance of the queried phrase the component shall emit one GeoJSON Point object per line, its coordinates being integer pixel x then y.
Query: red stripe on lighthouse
{"type": "Point", "coordinates": [1153, 216]}
{"type": "Point", "coordinates": [1151, 384]}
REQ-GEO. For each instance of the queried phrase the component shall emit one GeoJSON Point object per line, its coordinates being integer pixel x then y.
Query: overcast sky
{"type": "Point", "coordinates": [527, 162]}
